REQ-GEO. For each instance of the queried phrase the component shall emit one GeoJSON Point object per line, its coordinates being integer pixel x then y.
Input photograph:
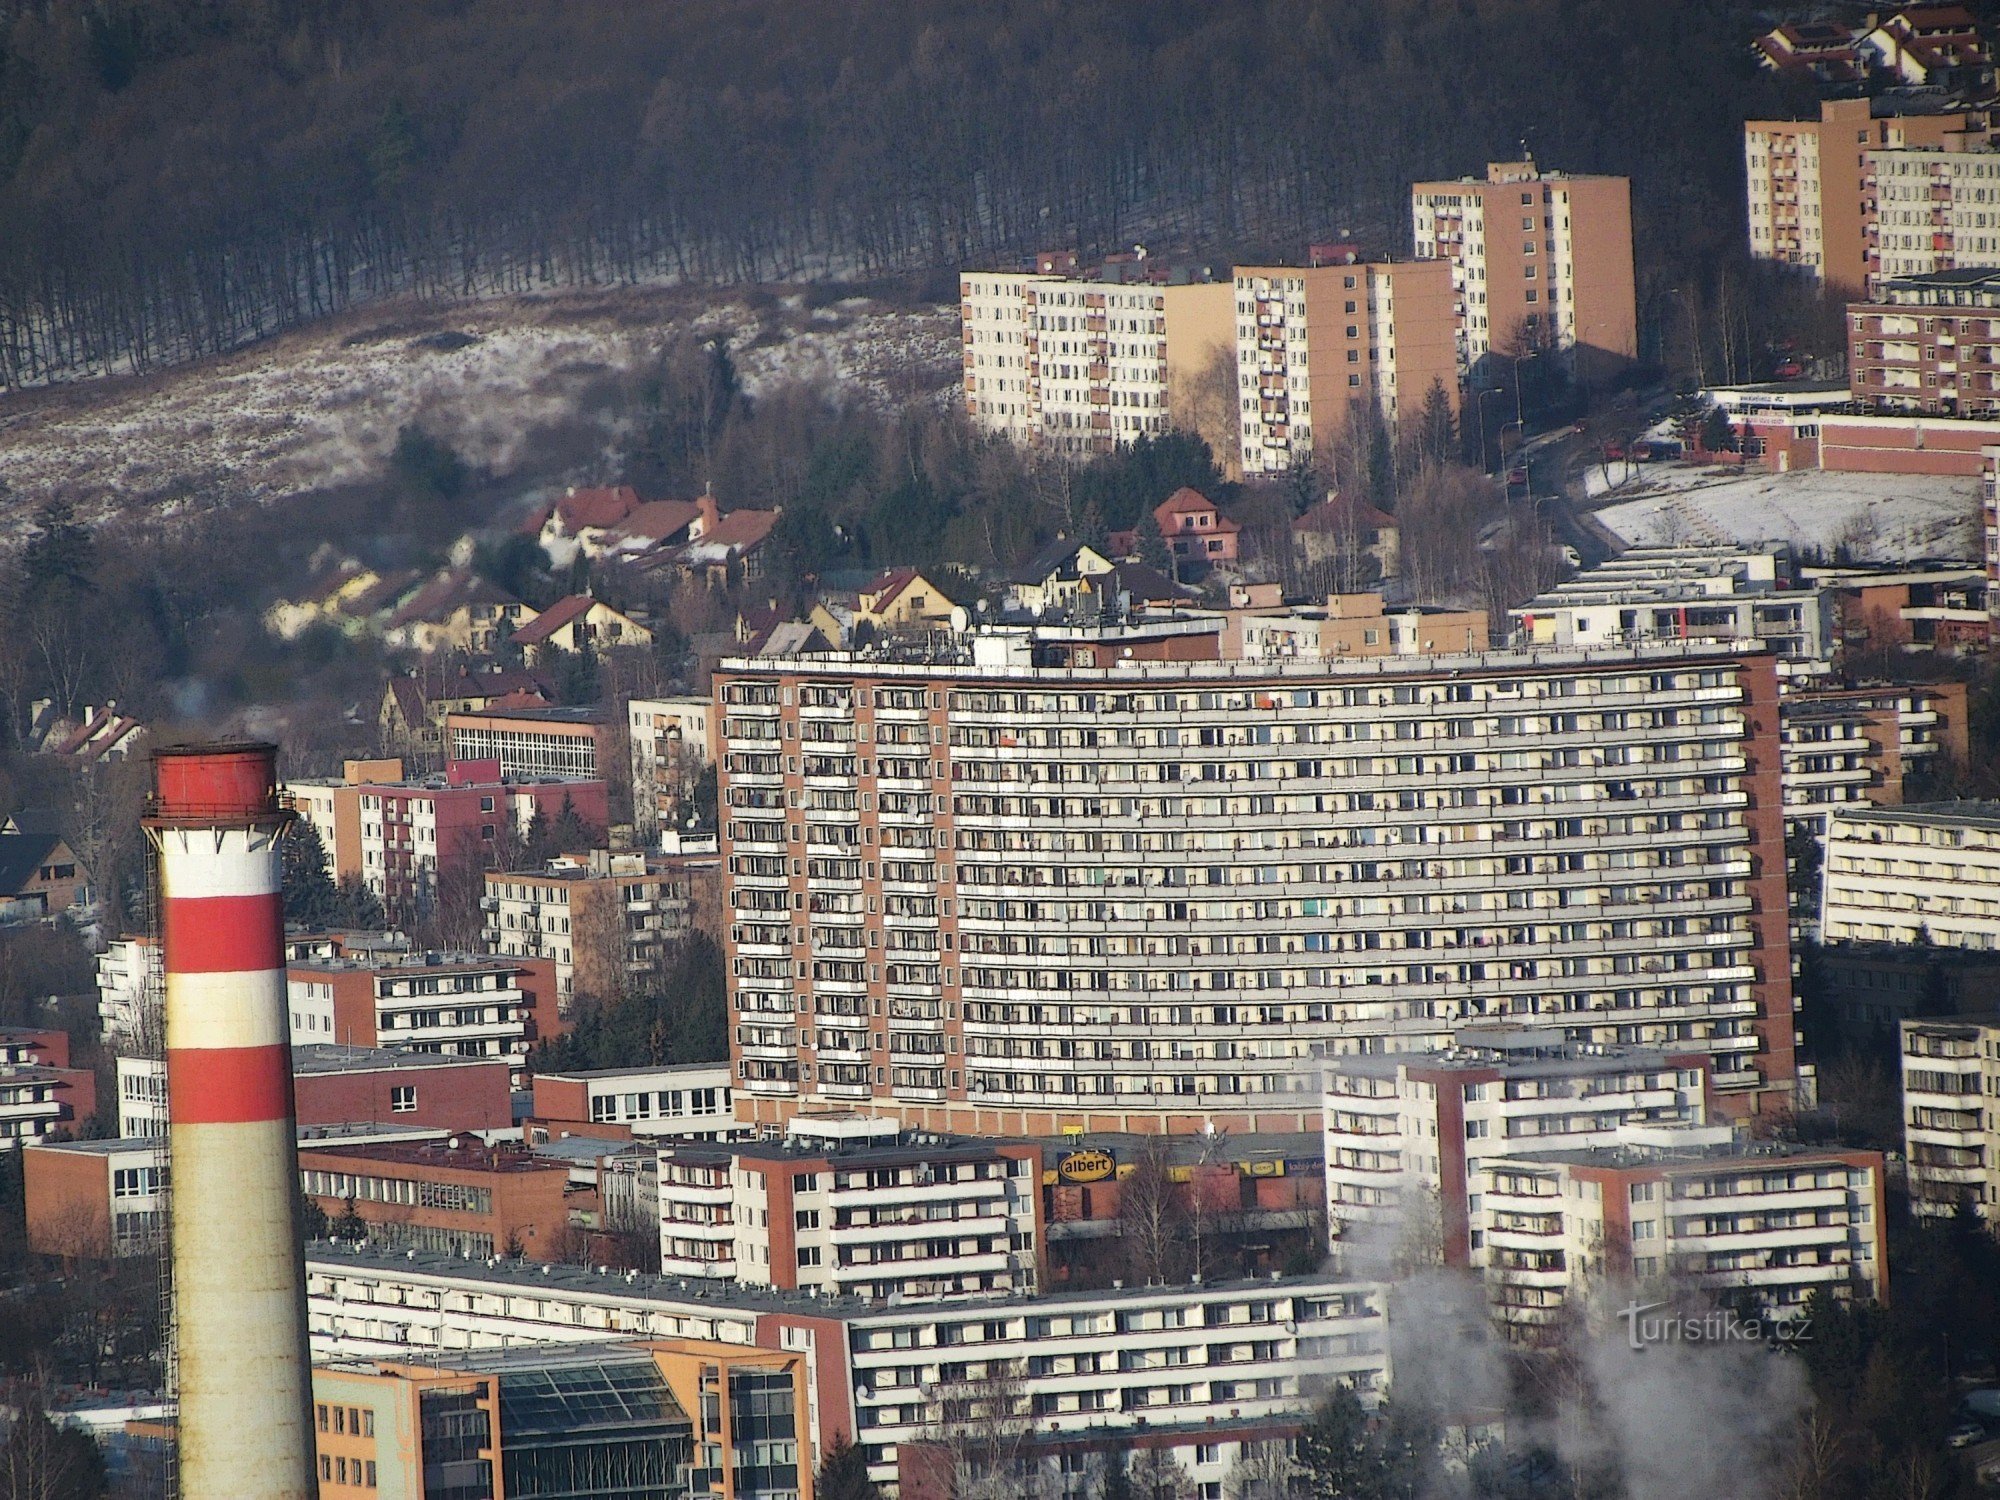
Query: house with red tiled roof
{"type": "Point", "coordinates": [90, 737]}
{"type": "Point", "coordinates": [579, 623]}
{"type": "Point", "coordinates": [1198, 533]}
{"type": "Point", "coordinates": [1929, 46]}
{"type": "Point", "coordinates": [718, 542]}
{"type": "Point", "coordinates": [457, 610]}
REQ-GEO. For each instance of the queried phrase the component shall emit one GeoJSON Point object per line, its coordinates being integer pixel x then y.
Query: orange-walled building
{"type": "Point", "coordinates": [462, 1196]}
{"type": "Point", "coordinates": [672, 1416]}
{"type": "Point", "coordinates": [1539, 260]}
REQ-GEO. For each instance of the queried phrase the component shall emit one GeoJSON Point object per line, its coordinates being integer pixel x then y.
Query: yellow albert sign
{"type": "Point", "coordinates": [1085, 1166]}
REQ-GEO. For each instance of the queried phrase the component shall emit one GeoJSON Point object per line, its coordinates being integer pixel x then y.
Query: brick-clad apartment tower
{"type": "Point", "coordinates": [239, 1277]}
{"type": "Point", "coordinates": [994, 897]}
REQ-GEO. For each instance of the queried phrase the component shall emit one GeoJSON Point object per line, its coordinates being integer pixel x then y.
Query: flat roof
{"type": "Point", "coordinates": [544, 715]}
{"type": "Point", "coordinates": [339, 1057]}
{"type": "Point", "coordinates": [1498, 662]}
{"type": "Point", "coordinates": [1726, 1153]}
{"type": "Point", "coordinates": [117, 1146]}
{"type": "Point", "coordinates": [1572, 1062]}
{"type": "Point", "coordinates": [473, 1156]}
{"type": "Point", "coordinates": [641, 1071]}
{"type": "Point", "coordinates": [693, 1293]}
{"type": "Point", "coordinates": [1970, 813]}
{"type": "Point", "coordinates": [402, 963]}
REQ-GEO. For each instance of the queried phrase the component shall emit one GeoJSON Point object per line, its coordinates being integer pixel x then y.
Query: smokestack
{"type": "Point", "coordinates": [245, 1428]}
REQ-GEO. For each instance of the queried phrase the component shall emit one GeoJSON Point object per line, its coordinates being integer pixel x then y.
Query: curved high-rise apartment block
{"type": "Point", "coordinates": [1014, 898]}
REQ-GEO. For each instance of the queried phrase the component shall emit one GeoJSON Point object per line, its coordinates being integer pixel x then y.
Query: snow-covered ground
{"type": "Point", "coordinates": [1876, 517]}
{"type": "Point", "coordinates": [323, 405]}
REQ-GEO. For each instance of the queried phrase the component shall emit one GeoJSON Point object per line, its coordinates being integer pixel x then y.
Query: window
{"type": "Point", "coordinates": [808, 1256]}
{"type": "Point", "coordinates": [403, 1098]}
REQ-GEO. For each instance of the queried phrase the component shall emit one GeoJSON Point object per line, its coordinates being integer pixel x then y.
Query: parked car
{"type": "Point", "coordinates": [1965, 1434]}
{"type": "Point", "coordinates": [1614, 452]}
{"type": "Point", "coordinates": [1518, 475]}
{"type": "Point", "coordinates": [1791, 369]}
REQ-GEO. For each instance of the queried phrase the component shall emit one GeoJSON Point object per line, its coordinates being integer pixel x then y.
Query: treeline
{"type": "Point", "coordinates": [179, 175]}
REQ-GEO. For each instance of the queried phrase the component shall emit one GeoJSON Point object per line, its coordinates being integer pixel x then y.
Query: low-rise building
{"type": "Point", "coordinates": [1351, 625]}
{"type": "Point", "coordinates": [414, 707]}
{"type": "Point", "coordinates": [851, 1204]}
{"type": "Point", "coordinates": [1940, 609]}
{"type": "Point", "coordinates": [456, 610]}
{"type": "Point", "coordinates": [610, 923]}
{"type": "Point", "coordinates": [1930, 342]}
{"type": "Point", "coordinates": [40, 874]}
{"type": "Point", "coordinates": [95, 1199]}
{"type": "Point", "coordinates": [1682, 593]}
{"type": "Point", "coordinates": [466, 1004]}
{"type": "Point", "coordinates": [1113, 1365]}
{"type": "Point", "coordinates": [1249, 1199]}
{"type": "Point", "coordinates": [1680, 1211]}
{"type": "Point", "coordinates": [675, 1417]}
{"type": "Point", "coordinates": [459, 1196]}
{"type": "Point", "coordinates": [531, 741]}
{"type": "Point", "coordinates": [1407, 1133]}
{"type": "Point", "coordinates": [578, 623]}
{"type": "Point", "coordinates": [333, 1084]}
{"type": "Point", "coordinates": [692, 1100]}
{"type": "Point", "coordinates": [1927, 873]}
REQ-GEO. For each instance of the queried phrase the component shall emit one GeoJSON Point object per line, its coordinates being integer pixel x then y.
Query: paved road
{"type": "Point", "coordinates": [1555, 461]}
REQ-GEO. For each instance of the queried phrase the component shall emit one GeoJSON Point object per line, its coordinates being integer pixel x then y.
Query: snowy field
{"type": "Point", "coordinates": [1876, 517]}
{"type": "Point", "coordinates": [323, 405]}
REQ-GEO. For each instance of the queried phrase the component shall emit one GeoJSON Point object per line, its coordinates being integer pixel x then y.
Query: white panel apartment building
{"type": "Point", "coordinates": [1080, 366]}
{"type": "Point", "coordinates": [1404, 1128]}
{"type": "Point", "coordinates": [1675, 1210]}
{"type": "Point", "coordinates": [1923, 873]}
{"type": "Point", "coordinates": [1951, 1131]}
{"type": "Point", "coordinates": [1192, 1360]}
{"type": "Point", "coordinates": [1012, 900]}
{"type": "Point", "coordinates": [854, 1205]}
{"type": "Point", "coordinates": [1935, 211]}
{"type": "Point", "coordinates": [1781, 168]}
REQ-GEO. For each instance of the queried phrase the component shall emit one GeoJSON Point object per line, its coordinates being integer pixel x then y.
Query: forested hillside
{"type": "Point", "coordinates": [179, 175]}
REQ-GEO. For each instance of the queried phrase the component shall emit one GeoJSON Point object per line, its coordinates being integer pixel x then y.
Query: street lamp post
{"type": "Point", "coordinates": [1519, 421]}
{"type": "Point", "coordinates": [1491, 390]}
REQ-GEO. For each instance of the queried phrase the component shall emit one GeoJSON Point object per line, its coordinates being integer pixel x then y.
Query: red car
{"type": "Point", "coordinates": [1791, 369]}
{"type": "Point", "coordinates": [1614, 452]}
{"type": "Point", "coordinates": [1518, 475]}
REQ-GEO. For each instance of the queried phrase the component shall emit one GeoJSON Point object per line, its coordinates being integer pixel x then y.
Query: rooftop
{"type": "Point", "coordinates": [1968, 813]}
{"type": "Point", "coordinates": [543, 714]}
{"type": "Point", "coordinates": [339, 1257]}
{"type": "Point", "coordinates": [952, 662]}
{"type": "Point", "coordinates": [642, 1071]}
{"type": "Point", "coordinates": [339, 1057]}
{"type": "Point", "coordinates": [460, 1153]}
{"type": "Point", "coordinates": [1732, 1153]}
{"type": "Point", "coordinates": [400, 963]}
{"type": "Point", "coordinates": [1518, 1052]}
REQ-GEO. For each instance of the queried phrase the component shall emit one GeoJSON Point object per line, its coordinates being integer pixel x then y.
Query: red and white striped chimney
{"type": "Point", "coordinates": [245, 1428]}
